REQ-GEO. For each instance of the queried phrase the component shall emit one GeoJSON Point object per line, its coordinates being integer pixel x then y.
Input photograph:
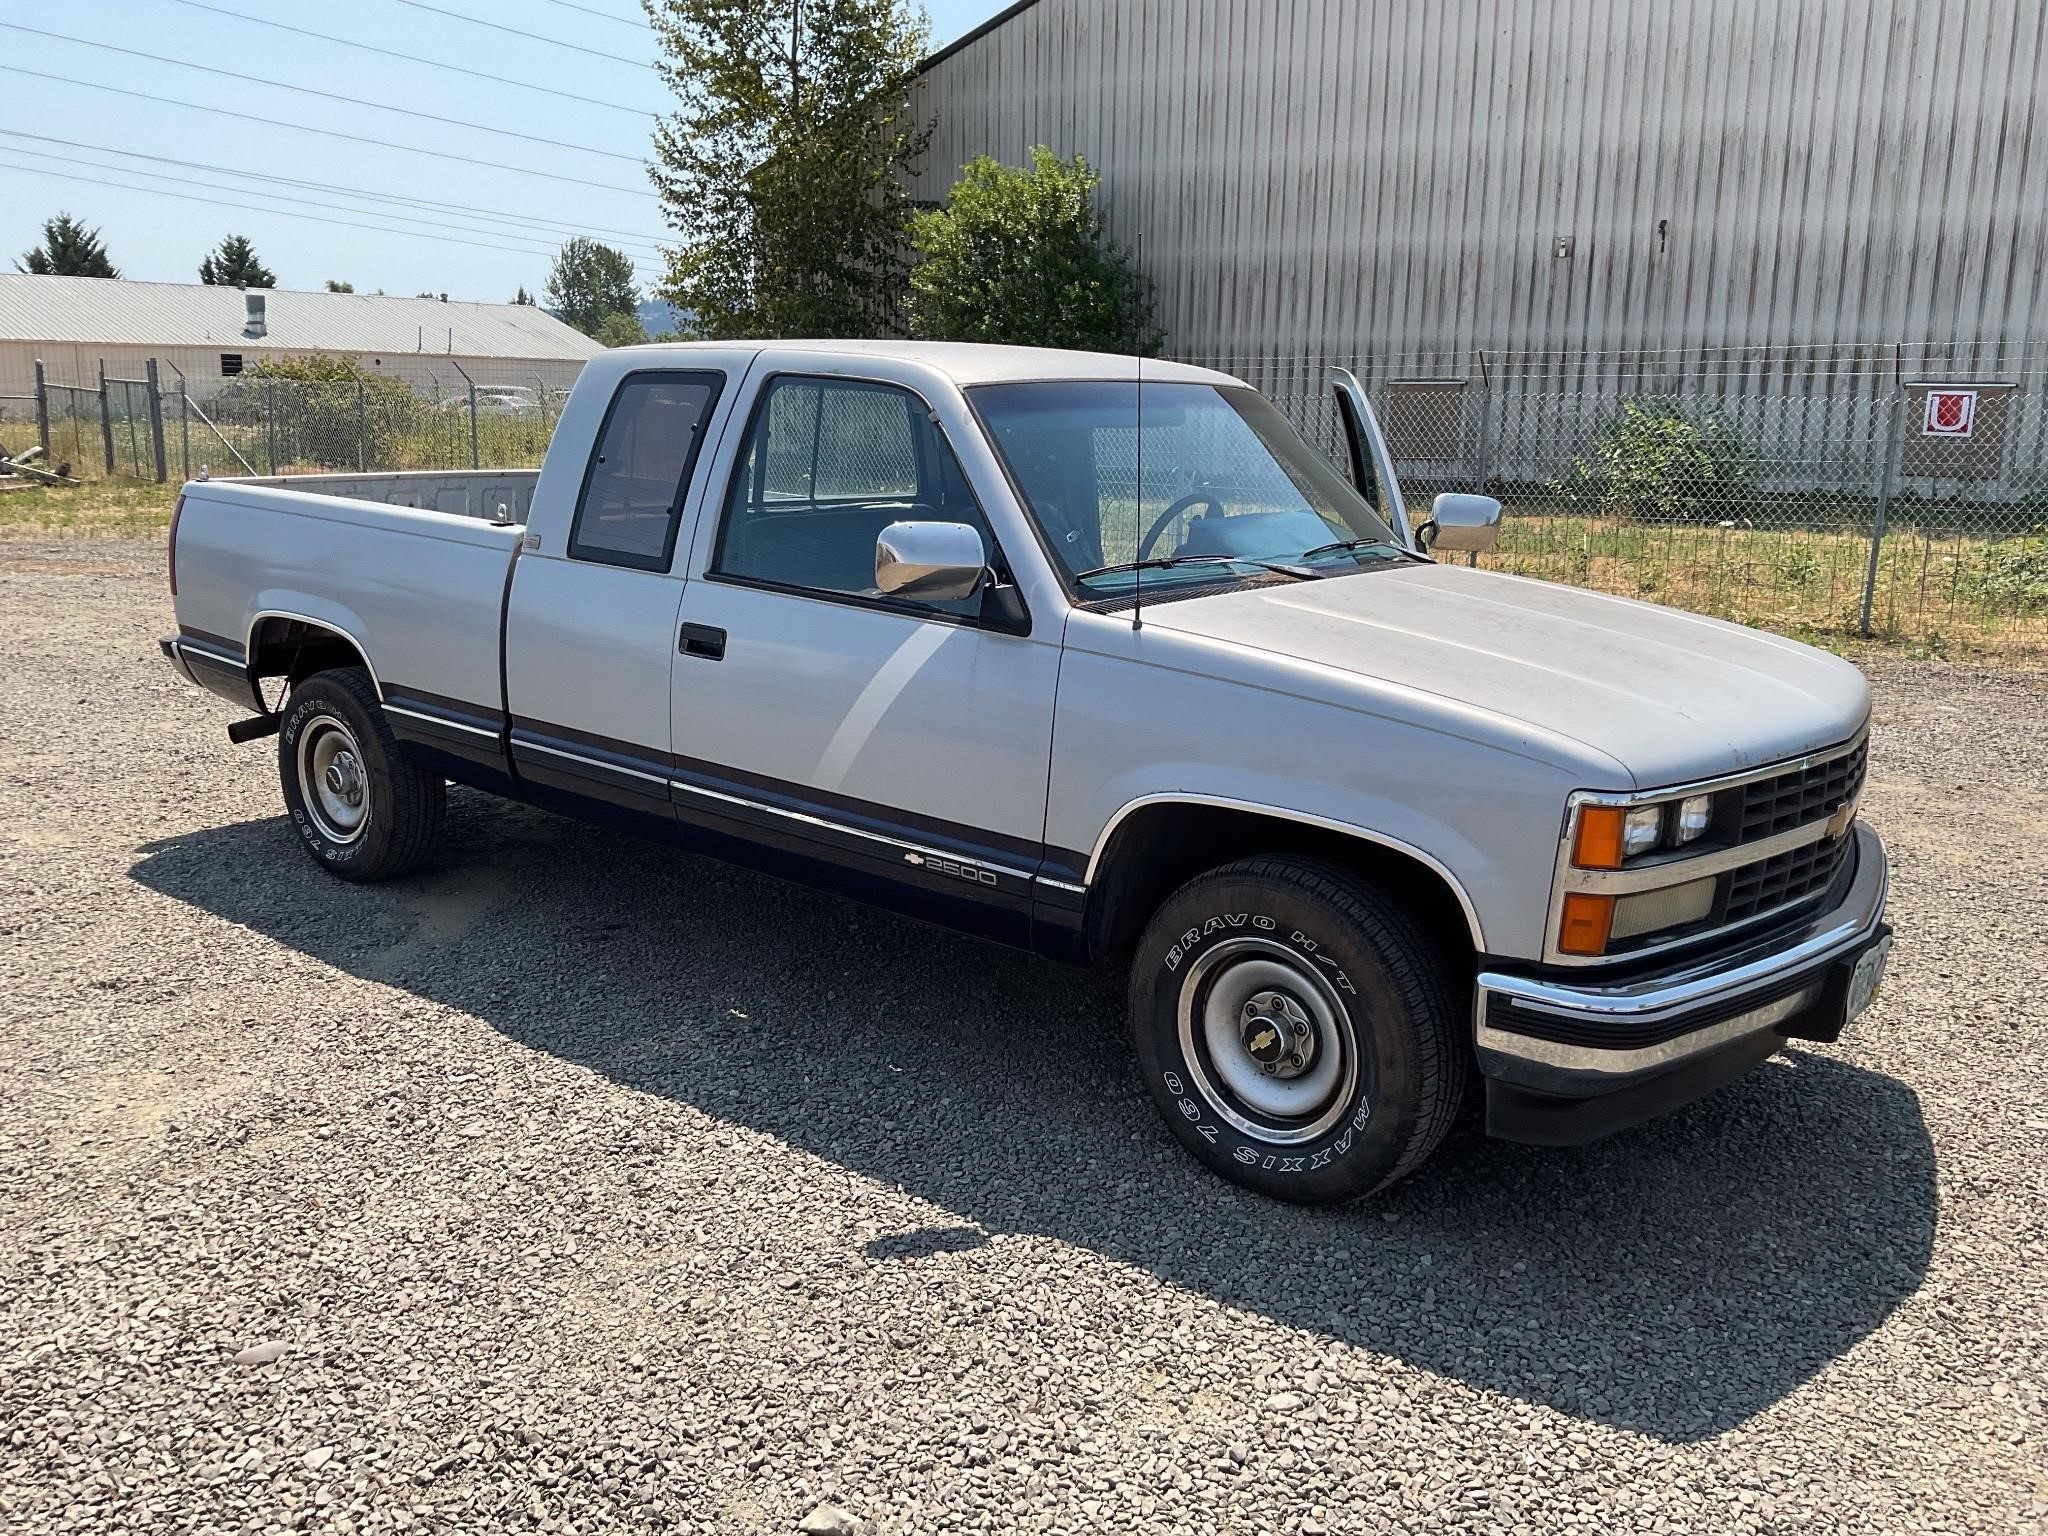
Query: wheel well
{"type": "Point", "coordinates": [1159, 848]}
{"type": "Point", "coordinates": [294, 649]}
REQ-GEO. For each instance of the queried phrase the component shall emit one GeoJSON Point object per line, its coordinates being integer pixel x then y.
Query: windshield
{"type": "Point", "coordinates": [1187, 482]}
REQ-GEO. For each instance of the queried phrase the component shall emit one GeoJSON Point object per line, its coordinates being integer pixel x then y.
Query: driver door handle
{"type": "Point", "coordinates": [705, 640]}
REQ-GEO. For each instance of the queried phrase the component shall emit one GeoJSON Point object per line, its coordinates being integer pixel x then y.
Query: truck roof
{"type": "Point", "coordinates": [973, 362]}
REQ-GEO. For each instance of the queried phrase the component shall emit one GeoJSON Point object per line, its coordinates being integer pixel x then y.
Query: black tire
{"type": "Point", "coordinates": [334, 725]}
{"type": "Point", "coordinates": [1338, 1069]}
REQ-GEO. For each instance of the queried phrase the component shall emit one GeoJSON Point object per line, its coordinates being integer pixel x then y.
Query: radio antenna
{"type": "Point", "coordinates": [1138, 506]}
{"type": "Point", "coordinates": [1138, 411]}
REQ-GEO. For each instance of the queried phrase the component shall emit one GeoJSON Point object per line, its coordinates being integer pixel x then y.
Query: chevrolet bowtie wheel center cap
{"type": "Point", "coordinates": [1277, 1034]}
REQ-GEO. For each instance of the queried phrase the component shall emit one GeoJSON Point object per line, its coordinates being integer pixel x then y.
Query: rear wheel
{"type": "Point", "coordinates": [360, 808]}
{"type": "Point", "coordinates": [1296, 1031]}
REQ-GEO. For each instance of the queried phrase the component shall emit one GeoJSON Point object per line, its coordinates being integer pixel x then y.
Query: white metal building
{"type": "Point", "coordinates": [210, 334]}
{"type": "Point", "coordinates": [1430, 179]}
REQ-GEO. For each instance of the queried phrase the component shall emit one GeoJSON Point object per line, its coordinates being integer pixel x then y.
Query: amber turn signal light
{"type": "Point", "coordinates": [1597, 844]}
{"type": "Point", "coordinates": [1587, 922]}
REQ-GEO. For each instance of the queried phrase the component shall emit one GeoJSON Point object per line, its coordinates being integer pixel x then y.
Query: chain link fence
{"type": "Point", "coordinates": [1894, 492]}
{"type": "Point", "coordinates": [1891, 491]}
{"type": "Point", "coordinates": [156, 428]}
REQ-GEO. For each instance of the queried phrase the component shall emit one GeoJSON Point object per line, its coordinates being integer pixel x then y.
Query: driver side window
{"type": "Point", "coordinates": [827, 465]}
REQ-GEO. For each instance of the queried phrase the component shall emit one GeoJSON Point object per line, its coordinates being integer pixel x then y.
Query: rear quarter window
{"type": "Point", "coordinates": [639, 473]}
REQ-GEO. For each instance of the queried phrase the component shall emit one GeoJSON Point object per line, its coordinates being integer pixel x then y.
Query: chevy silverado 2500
{"type": "Point", "coordinates": [1105, 661]}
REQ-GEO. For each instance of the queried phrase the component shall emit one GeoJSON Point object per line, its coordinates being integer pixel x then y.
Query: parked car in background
{"type": "Point", "coordinates": [1099, 659]}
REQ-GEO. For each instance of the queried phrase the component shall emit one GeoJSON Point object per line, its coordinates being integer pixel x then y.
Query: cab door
{"type": "Point", "coordinates": [590, 622]}
{"type": "Point", "coordinates": [895, 749]}
{"type": "Point", "coordinates": [1367, 458]}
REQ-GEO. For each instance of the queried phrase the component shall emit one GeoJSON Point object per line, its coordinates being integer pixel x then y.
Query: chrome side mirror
{"type": "Point", "coordinates": [931, 562]}
{"type": "Point", "coordinates": [1462, 521]}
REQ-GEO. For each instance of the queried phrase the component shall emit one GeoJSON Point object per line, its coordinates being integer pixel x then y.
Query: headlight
{"type": "Point", "coordinates": [1695, 814]}
{"type": "Point", "coordinates": [1641, 830]}
{"type": "Point", "coordinates": [1608, 834]}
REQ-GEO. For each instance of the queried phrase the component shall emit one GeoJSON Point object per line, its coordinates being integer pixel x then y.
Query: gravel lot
{"type": "Point", "coordinates": [576, 1185]}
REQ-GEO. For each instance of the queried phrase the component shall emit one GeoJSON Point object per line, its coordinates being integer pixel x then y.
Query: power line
{"type": "Point", "coordinates": [431, 204]}
{"type": "Point", "coordinates": [407, 217]}
{"type": "Point", "coordinates": [382, 229]}
{"type": "Point", "coordinates": [591, 10]}
{"type": "Point", "coordinates": [552, 42]}
{"type": "Point", "coordinates": [410, 58]}
{"type": "Point", "coordinates": [332, 133]}
{"type": "Point", "coordinates": [307, 90]}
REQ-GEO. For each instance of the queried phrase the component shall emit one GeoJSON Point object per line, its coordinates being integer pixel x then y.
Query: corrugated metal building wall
{"type": "Point", "coordinates": [1389, 178]}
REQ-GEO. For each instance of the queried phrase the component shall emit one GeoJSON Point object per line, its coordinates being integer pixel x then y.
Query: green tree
{"type": "Point", "coordinates": [69, 249]}
{"type": "Point", "coordinates": [590, 281]}
{"type": "Point", "coordinates": [522, 296]}
{"type": "Point", "coordinates": [782, 167]}
{"type": "Point", "coordinates": [336, 285]}
{"type": "Point", "coordinates": [621, 328]}
{"type": "Point", "coordinates": [1018, 255]}
{"type": "Point", "coordinates": [233, 264]}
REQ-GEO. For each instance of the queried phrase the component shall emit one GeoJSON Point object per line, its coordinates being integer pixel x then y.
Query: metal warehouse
{"type": "Point", "coordinates": [206, 336]}
{"type": "Point", "coordinates": [1393, 179]}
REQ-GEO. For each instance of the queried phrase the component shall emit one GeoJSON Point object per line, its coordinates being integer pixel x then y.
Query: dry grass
{"type": "Point", "coordinates": [106, 509]}
{"type": "Point", "coordinates": [1938, 593]}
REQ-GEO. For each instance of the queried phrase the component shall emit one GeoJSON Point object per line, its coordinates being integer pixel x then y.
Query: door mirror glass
{"type": "Point", "coordinates": [929, 562]}
{"type": "Point", "coordinates": [1461, 521]}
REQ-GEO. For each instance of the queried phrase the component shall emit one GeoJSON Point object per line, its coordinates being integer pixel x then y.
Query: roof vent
{"type": "Point", "coordinates": [255, 325]}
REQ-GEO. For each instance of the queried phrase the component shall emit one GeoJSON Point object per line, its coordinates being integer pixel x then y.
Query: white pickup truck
{"type": "Point", "coordinates": [1102, 660]}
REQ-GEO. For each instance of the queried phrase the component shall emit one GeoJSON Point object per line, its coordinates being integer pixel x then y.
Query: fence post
{"type": "Point", "coordinates": [1884, 500]}
{"type": "Point", "coordinates": [43, 412]}
{"type": "Point", "coordinates": [184, 426]}
{"type": "Point", "coordinates": [106, 418]}
{"type": "Point", "coordinates": [156, 422]}
{"type": "Point", "coordinates": [476, 460]}
{"type": "Point", "coordinates": [362, 427]}
{"type": "Point", "coordinates": [270, 419]}
{"type": "Point", "coordinates": [1485, 421]}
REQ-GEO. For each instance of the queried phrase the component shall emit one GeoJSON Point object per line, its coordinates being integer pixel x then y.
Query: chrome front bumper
{"type": "Point", "coordinates": [1566, 1061]}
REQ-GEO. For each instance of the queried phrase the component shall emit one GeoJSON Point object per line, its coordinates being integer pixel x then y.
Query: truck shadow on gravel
{"type": "Point", "coordinates": [1673, 1280]}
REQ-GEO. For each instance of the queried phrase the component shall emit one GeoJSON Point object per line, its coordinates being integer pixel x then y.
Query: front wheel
{"type": "Point", "coordinates": [1296, 1031]}
{"type": "Point", "coordinates": [360, 808]}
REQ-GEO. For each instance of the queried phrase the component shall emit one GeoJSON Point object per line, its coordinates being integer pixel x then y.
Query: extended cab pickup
{"type": "Point", "coordinates": [1099, 659]}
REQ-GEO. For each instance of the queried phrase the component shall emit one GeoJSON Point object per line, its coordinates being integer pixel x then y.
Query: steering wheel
{"type": "Point", "coordinates": [1192, 499]}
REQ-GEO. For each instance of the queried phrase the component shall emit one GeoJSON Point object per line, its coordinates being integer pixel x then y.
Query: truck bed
{"type": "Point", "coordinates": [411, 567]}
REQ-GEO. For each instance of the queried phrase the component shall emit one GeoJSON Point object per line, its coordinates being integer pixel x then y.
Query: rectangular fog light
{"type": "Point", "coordinates": [1654, 911]}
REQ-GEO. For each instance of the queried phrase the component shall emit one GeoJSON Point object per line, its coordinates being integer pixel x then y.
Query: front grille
{"type": "Point", "coordinates": [1785, 878]}
{"type": "Point", "coordinates": [1792, 799]}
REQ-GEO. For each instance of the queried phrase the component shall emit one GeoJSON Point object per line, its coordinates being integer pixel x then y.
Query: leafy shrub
{"type": "Point", "coordinates": [328, 410]}
{"type": "Point", "coordinates": [1799, 567]}
{"type": "Point", "coordinates": [1653, 462]}
{"type": "Point", "coordinates": [1018, 255]}
{"type": "Point", "coordinates": [2016, 573]}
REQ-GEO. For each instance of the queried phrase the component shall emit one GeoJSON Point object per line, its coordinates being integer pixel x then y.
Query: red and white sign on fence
{"type": "Point", "coordinates": [1950, 413]}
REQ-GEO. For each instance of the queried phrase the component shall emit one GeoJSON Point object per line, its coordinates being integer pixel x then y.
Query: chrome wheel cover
{"type": "Point", "coordinates": [1268, 1040]}
{"type": "Point", "coordinates": [333, 784]}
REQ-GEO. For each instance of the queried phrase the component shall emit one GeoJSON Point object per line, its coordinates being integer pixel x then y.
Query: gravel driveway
{"type": "Point", "coordinates": [577, 1185]}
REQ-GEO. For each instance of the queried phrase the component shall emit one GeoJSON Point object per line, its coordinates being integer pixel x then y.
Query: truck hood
{"type": "Point", "coordinates": [1670, 696]}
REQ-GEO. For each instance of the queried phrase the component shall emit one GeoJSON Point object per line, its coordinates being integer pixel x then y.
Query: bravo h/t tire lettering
{"type": "Point", "coordinates": [1294, 1027]}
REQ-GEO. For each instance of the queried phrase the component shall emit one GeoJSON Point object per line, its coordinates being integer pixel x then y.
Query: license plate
{"type": "Point", "coordinates": [1867, 977]}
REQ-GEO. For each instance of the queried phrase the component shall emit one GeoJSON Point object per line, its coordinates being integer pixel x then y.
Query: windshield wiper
{"type": "Point", "coordinates": [1349, 545]}
{"type": "Point", "coordinates": [1168, 562]}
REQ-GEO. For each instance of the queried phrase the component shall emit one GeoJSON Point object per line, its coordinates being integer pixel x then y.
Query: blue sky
{"type": "Point", "coordinates": [159, 216]}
